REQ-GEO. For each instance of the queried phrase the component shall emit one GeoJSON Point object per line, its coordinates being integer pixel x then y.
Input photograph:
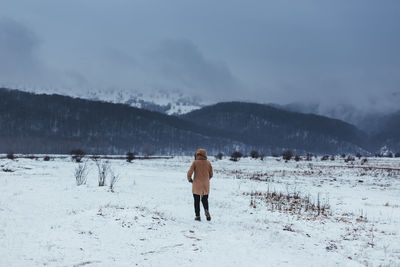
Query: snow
{"type": "Point", "coordinates": [46, 219]}
{"type": "Point", "coordinates": [173, 100]}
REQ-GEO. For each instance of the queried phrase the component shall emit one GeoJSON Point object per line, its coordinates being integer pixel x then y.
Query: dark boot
{"type": "Point", "coordinates": [207, 215]}
{"type": "Point", "coordinates": [197, 218]}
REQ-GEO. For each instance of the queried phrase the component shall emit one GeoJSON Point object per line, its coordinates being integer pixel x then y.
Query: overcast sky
{"type": "Point", "coordinates": [332, 52]}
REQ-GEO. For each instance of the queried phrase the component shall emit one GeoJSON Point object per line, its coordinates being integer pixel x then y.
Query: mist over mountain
{"type": "Point", "coordinates": [389, 134]}
{"type": "Point", "coordinates": [370, 121]}
{"type": "Point", "coordinates": [382, 126]}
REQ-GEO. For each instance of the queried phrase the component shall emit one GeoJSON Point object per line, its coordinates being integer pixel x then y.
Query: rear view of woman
{"type": "Point", "coordinates": [203, 172]}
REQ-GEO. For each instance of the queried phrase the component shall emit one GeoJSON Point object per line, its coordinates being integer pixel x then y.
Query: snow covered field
{"type": "Point", "coordinates": [46, 219]}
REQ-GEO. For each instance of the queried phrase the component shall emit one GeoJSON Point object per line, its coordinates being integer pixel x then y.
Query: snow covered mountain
{"type": "Point", "coordinates": [171, 102]}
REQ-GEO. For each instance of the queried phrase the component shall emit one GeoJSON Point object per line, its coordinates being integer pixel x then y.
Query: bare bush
{"type": "Point", "coordinates": [219, 156]}
{"type": "Point", "coordinates": [77, 155]}
{"type": "Point", "coordinates": [103, 168]}
{"type": "Point", "coordinates": [81, 173]}
{"type": "Point", "coordinates": [10, 155]}
{"type": "Point", "coordinates": [236, 156]}
{"type": "Point", "coordinates": [130, 156]}
{"type": "Point", "coordinates": [254, 154]}
{"type": "Point", "coordinates": [309, 157]}
{"type": "Point", "coordinates": [325, 157]}
{"type": "Point", "coordinates": [114, 178]}
{"type": "Point", "coordinates": [297, 158]}
{"type": "Point", "coordinates": [287, 154]}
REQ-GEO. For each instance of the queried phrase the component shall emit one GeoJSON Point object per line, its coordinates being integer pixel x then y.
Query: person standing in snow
{"type": "Point", "coordinates": [203, 172]}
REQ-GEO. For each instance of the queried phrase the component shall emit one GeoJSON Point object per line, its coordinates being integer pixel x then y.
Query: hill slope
{"type": "Point", "coordinates": [32, 123]}
{"type": "Point", "coordinates": [268, 127]}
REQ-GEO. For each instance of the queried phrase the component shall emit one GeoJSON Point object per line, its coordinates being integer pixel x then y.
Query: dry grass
{"type": "Point", "coordinates": [292, 203]}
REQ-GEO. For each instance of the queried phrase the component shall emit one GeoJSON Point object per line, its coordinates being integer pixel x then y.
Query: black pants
{"type": "Point", "coordinates": [204, 200]}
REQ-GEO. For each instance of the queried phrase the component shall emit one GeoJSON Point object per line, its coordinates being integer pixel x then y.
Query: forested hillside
{"type": "Point", "coordinates": [31, 123]}
{"type": "Point", "coordinates": [275, 128]}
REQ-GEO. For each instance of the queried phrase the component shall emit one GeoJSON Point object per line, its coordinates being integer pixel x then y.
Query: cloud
{"type": "Point", "coordinates": [183, 65]}
{"type": "Point", "coordinates": [18, 47]}
{"type": "Point", "coordinates": [119, 58]}
{"type": "Point", "coordinates": [329, 52]}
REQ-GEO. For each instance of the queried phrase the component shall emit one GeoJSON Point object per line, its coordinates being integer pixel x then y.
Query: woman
{"type": "Point", "coordinates": [201, 182]}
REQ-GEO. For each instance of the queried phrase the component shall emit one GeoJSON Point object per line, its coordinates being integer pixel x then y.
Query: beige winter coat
{"type": "Point", "coordinates": [202, 173]}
